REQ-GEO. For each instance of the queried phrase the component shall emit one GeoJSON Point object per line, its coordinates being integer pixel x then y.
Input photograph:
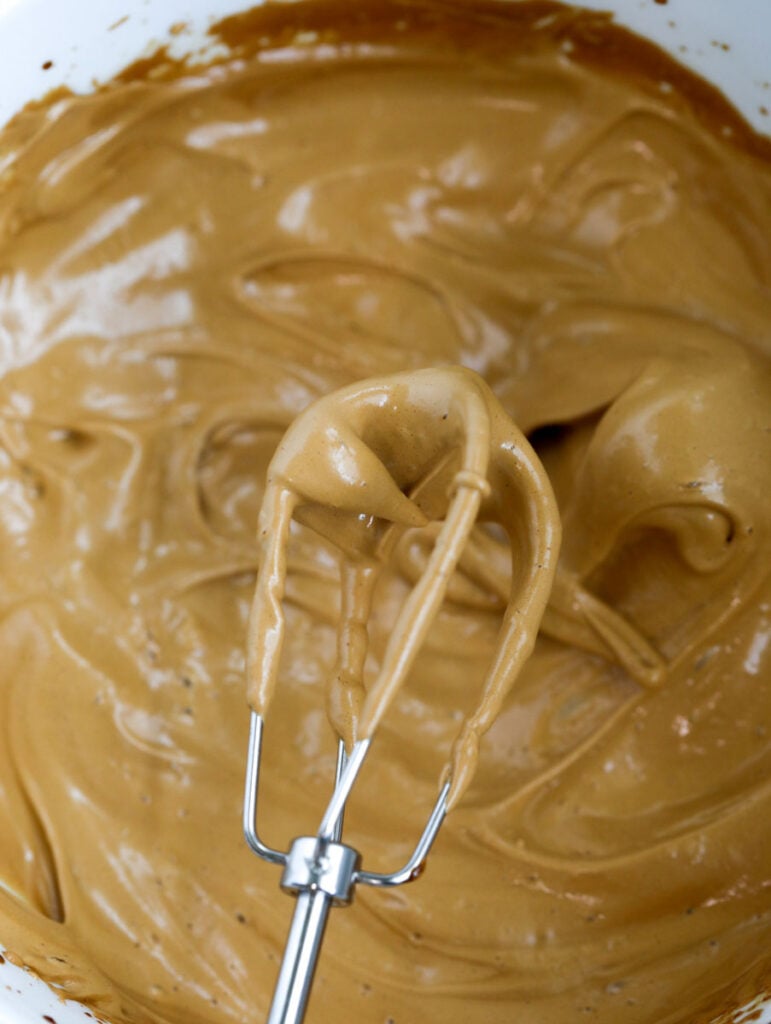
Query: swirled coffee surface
{"type": "Point", "coordinates": [186, 262]}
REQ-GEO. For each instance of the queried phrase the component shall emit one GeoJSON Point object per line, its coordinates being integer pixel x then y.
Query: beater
{"type": "Point", "coordinates": [360, 467]}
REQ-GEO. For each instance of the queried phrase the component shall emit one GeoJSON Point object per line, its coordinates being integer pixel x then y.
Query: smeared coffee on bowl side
{"type": "Point", "coordinates": [188, 258]}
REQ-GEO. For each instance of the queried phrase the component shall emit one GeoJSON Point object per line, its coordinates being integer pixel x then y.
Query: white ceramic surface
{"type": "Point", "coordinates": [90, 40]}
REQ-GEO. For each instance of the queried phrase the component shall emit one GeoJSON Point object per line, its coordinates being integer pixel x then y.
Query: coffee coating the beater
{"type": "Point", "coordinates": [360, 467]}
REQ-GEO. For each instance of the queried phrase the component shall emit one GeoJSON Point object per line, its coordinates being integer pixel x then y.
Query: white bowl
{"type": "Point", "coordinates": [82, 41]}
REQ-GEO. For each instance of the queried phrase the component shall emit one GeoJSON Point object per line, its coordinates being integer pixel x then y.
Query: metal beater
{"type": "Point", "coordinates": [457, 435]}
{"type": "Point", "coordinates": [321, 872]}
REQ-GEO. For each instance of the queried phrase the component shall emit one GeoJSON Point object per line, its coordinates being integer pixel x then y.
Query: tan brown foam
{"type": "Point", "coordinates": [188, 259]}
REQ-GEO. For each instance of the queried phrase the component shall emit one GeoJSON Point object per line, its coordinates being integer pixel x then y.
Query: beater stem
{"type": "Point", "coordinates": [300, 955]}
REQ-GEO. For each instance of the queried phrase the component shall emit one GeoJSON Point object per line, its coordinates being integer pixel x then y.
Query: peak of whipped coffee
{"type": "Point", "coordinates": [188, 260]}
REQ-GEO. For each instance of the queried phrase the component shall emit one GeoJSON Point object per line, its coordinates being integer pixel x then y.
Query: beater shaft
{"type": "Point", "coordinates": [301, 952]}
